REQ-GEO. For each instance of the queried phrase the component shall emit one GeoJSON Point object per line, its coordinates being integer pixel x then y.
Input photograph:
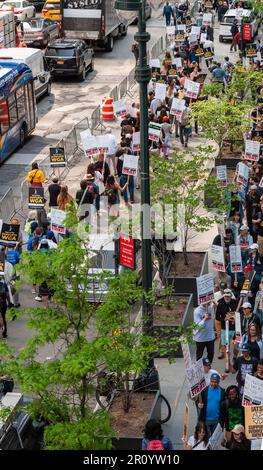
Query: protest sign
{"type": "Point", "coordinates": [130, 165]}
{"type": "Point", "coordinates": [251, 50]}
{"type": "Point", "coordinates": [127, 251]}
{"type": "Point", "coordinates": [191, 88]}
{"type": "Point", "coordinates": [252, 150]}
{"type": "Point", "coordinates": [203, 38]}
{"type": "Point", "coordinates": [208, 53]}
{"type": "Point", "coordinates": [243, 174]}
{"type": "Point", "coordinates": [177, 62]}
{"type": "Point", "coordinates": [177, 107]}
{"type": "Point", "coordinates": [155, 65]}
{"type": "Point", "coordinates": [9, 234]}
{"type": "Point", "coordinates": [253, 391]}
{"type": "Point", "coordinates": [196, 30]}
{"type": "Point", "coordinates": [186, 353]}
{"type": "Point", "coordinates": [221, 174]}
{"type": "Point", "coordinates": [57, 157]}
{"type": "Point", "coordinates": [257, 444]}
{"type": "Point", "coordinates": [160, 91]}
{"type": "Point", "coordinates": [205, 288]}
{"type": "Point", "coordinates": [57, 221]}
{"type": "Point", "coordinates": [192, 39]}
{"type": "Point", "coordinates": [2, 264]}
{"type": "Point", "coordinates": [179, 36]}
{"type": "Point", "coordinates": [199, 52]}
{"type": "Point", "coordinates": [207, 19]}
{"type": "Point", "coordinates": [170, 30]}
{"type": "Point", "coordinates": [238, 333]}
{"type": "Point", "coordinates": [89, 143]}
{"type": "Point", "coordinates": [120, 109]}
{"type": "Point", "coordinates": [181, 27]}
{"type": "Point", "coordinates": [186, 420]}
{"type": "Point", "coordinates": [103, 143]}
{"type": "Point", "coordinates": [136, 142]}
{"type": "Point", "coordinates": [36, 198]}
{"type": "Point", "coordinates": [216, 438]}
{"type": "Point", "coordinates": [208, 4]}
{"type": "Point", "coordinates": [218, 261]}
{"type": "Point", "coordinates": [261, 183]}
{"type": "Point", "coordinates": [254, 422]}
{"type": "Point", "coordinates": [172, 73]}
{"type": "Point", "coordinates": [196, 378]}
{"type": "Point", "coordinates": [235, 259]}
{"type": "Point", "coordinates": [154, 131]}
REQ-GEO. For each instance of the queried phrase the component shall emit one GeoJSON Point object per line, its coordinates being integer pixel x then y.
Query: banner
{"type": "Point", "coordinates": [254, 422]}
{"type": "Point", "coordinates": [9, 234]}
{"type": "Point", "coordinates": [203, 38]}
{"type": "Point", "coordinates": [136, 142]}
{"type": "Point", "coordinates": [57, 157]}
{"type": "Point", "coordinates": [252, 150]}
{"type": "Point", "coordinates": [2, 264]}
{"type": "Point", "coordinates": [243, 174]}
{"type": "Point", "coordinates": [221, 175]}
{"type": "Point", "coordinates": [172, 74]}
{"type": "Point", "coordinates": [154, 131]}
{"type": "Point", "coordinates": [179, 35]}
{"type": "Point", "coordinates": [218, 260]}
{"type": "Point", "coordinates": [205, 288]}
{"type": "Point", "coordinates": [120, 109]}
{"type": "Point", "coordinates": [127, 251]}
{"type": "Point", "coordinates": [57, 221]}
{"type": "Point", "coordinates": [192, 39]}
{"type": "Point", "coordinates": [170, 30]}
{"type": "Point", "coordinates": [155, 65]}
{"type": "Point", "coordinates": [177, 107]}
{"type": "Point", "coordinates": [199, 52]}
{"type": "Point", "coordinates": [196, 378]}
{"type": "Point", "coordinates": [235, 259]}
{"type": "Point", "coordinates": [89, 143]}
{"type": "Point", "coordinates": [216, 438]}
{"type": "Point", "coordinates": [253, 391]}
{"type": "Point", "coordinates": [130, 165]}
{"type": "Point", "coordinates": [191, 88]}
{"type": "Point", "coordinates": [196, 30]}
{"type": "Point", "coordinates": [160, 91]}
{"type": "Point", "coordinates": [238, 332]}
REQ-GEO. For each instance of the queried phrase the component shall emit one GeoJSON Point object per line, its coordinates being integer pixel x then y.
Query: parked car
{"type": "Point", "coordinates": [22, 9]}
{"type": "Point", "coordinates": [39, 31]}
{"type": "Point", "coordinates": [148, 13]}
{"type": "Point", "coordinates": [51, 10]}
{"type": "Point", "coordinates": [69, 57]}
{"type": "Point", "coordinates": [248, 17]}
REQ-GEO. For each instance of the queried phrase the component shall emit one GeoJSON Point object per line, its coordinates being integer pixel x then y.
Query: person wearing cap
{"type": "Point", "coordinates": [232, 411]}
{"type": "Point", "coordinates": [225, 306]}
{"type": "Point", "coordinates": [245, 240]}
{"type": "Point", "coordinates": [54, 189]}
{"type": "Point", "coordinates": [244, 364]}
{"type": "Point", "coordinates": [31, 223]}
{"type": "Point", "coordinates": [218, 295]}
{"type": "Point", "coordinates": [51, 239]}
{"type": "Point", "coordinates": [238, 439]}
{"type": "Point", "coordinates": [204, 336]}
{"type": "Point", "coordinates": [210, 404]}
{"type": "Point", "coordinates": [248, 317]}
{"type": "Point", "coordinates": [209, 371]}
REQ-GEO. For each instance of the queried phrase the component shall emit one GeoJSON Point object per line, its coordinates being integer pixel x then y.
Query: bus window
{"type": "Point", "coordinates": [12, 110]}
{"type": "Point", "coordinates": [20, 102]}
{"type": "Point", "coordinates": [30, 106]}
{"type": "Point", "coordinates": [4, 121]}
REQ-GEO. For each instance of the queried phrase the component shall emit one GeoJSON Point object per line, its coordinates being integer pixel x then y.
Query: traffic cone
{"type": "Point", "coordinates": [107, 109]}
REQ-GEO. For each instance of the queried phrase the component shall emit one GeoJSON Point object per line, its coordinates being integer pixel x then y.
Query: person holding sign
{"type": "Point", "coordinates": [225, 308]}
{"type": "Point", "coordinates": [204, 336]}
{"type": "Point", "coordinates": [245, 364]}
{"type": "Point", "coordinates": [253, 339]}
{"type": "Point", "coordinates": [210, 405]}
{"type": "Point", "coordinates": [199, 440]}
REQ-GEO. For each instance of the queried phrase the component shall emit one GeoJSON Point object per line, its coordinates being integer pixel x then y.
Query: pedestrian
{"type": "Point", "coordinates": [248, 317]}
{"type": "Point", "coordinates": [34, 240]}
{"type": "Point", "coordinates": [232, 411]}
{"type": "Point", "coordinates": [210, 404]}
{"type": "Point", "coordinates": [234, 224]}
{"type": "Point", "coordinates": [238, 439]}
{"type": "Point", "coordinates": [44, 291]}
{"type": "Point", "coordinates": [259, 372]}
{"type": "Point", "coordinates": [222, 9]}
{"type": "Point", "coordinates": [253, 339]}
{"type": "Point", "coordinates": [112, 189]}
{"type": "Point", "coordinates": [35, 177]}
{"type": "Point", "coordinates": [218, 74]}
{"type": "Point", "coordinates": [204, 336]}
{"type": "Point", "coordinates": [166, 135]}
{"type": "Point", "coordinates": [42, 218]}
{"type": "Point", "coordinates": [4, 302]}
{"type": "Point", "coordinates": [225, 307]}
{"type": "Point", "coordinates": [185, 128]}
{"type": "Point", "coordinates": [64, 198]}
{"type": "Point", "coordinates": [208, 371]}
{"type": "Point", "coordinates": [130, 187]}
{"type": "Point", "coordinates": [258, 305]}
{"type": "Point", "coordinates": [234, 30]}
{"type": "Point", "coordinates": [102, 166]}
{"type": "Point", "coordinates": [51, 239]}
{"type": "Point", "coordinates": [217, 296]}
{"type": "Point", "coordinates": [245, 240]}
{"type": "Point", "coordinates": [135, 51]}
{"type": "Point", "coordinates": [200, 439]}
{"type": "Point", "coordinates": [31, 223]}
{"type": "Point", "coordinates": [54, 190]}
{"type": "Point", "coordinates": [167, 13]}
{"type": "Point", "coordinates": [10, 277]}
{"type": "Point", "coordinates": [154, 438]}
{"type": "Point", "coordinates": [244, 364]}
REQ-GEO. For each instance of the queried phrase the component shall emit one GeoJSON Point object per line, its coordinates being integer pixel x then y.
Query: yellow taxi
{"type": "Point", "coordinates": [51, 10]}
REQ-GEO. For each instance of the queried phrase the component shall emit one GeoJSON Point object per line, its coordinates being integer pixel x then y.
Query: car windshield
{"type": "Point", "coordinates": [33, 24]}
{"type": "Point", "coordinates": [61, 52]}
{"type": "Point", "coordinates": [229, 19]}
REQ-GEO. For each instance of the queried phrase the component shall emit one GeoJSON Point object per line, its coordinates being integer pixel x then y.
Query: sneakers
{"type": "Point", "coordinates": [38, 298]}
{"type": "Point", "coordinates": [221, 356]}
{"type": "Point", "coordinates": [34, 291]}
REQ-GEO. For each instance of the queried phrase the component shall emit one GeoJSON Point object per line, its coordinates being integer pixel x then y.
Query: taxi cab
{"type": "Point", "coordinates": [52, 10]}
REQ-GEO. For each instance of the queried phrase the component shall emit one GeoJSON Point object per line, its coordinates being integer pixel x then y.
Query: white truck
{"type": "Point", "coordinates": [95, 21]}
{"type": "Point", "coordinates": [7, 29]}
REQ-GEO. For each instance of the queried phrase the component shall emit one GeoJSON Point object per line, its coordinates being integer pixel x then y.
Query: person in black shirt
{"type": "Point", "coordinates": [4, 301]}
{"type": "Point", "coordinates": [238, 439]}
{"type": "Point", "coordinates": [232, 411]}
{"type": "Point", "coordinates": [103, 167]}
{"type": "Point", "coordinates": [245, 364]}
{"type": "Point", "coordinates": [54, 190]}
{"type": "Point", "coordinates": [234, 30]}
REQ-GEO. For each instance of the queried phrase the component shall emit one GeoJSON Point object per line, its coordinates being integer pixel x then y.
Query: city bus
{"type": "Point", "coordinates": [17, 106]}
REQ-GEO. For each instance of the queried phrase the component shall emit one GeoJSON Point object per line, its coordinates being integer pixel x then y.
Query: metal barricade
{"type": "Point", "coordinates": [70, 144]}
{"type": "Point", "coordinates": [7, 206]}
{"type": "Point", "coordinates": [80, 127]}
{"type": "Point", "coordinates": [123, 87]}
{"type": "Point", "coordinates": [114, 94]}
{"type": "Point", "coordinates": [95, 118]}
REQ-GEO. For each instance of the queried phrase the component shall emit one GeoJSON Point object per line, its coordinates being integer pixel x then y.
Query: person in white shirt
{"type": "Point", "coordinates": [156, 102]}
{"type": "Point", "coordinates": [9, 278]}
{"type": "Point", "coordinates": [112, 150]}
{"type": "Point", "coordinates": [200, 439]}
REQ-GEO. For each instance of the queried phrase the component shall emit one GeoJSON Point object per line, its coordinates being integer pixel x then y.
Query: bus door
{"type": "Point", "coordinates": [30, 106]}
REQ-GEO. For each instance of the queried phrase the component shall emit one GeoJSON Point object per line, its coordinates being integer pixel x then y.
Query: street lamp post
{"type": "Point", "coordinates": [143, 75]}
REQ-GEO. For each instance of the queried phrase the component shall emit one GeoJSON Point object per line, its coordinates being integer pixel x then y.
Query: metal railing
{"type": "Point", "coordinates": [7, 206]}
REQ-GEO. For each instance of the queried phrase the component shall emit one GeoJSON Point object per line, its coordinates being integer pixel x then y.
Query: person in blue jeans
{"type": "Point", "coordinates": [210, 403]}
{"type": "Point", "coordinates": [123, 181]}
{"type": "Point", "coordinates": [168, 13]}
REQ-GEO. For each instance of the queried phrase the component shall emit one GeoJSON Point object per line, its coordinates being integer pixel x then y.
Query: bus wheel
{"type": "Point", "coordinates": [23, 135]}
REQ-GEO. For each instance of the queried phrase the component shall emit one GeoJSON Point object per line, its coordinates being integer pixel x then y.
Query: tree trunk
{"type": "Point", "coordinates": [126, 395]}
{"type": "Point", "coordinates": [185, 255]}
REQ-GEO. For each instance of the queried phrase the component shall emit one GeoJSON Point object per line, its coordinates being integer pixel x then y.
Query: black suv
{"type": "Point", "coordinates": [69, 57]}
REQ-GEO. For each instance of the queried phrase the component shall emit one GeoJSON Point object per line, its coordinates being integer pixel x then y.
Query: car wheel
{"type": "Point", "coordinates": [23, 135]}
{"type": "Point", "coordinates": [124, 31]}
{"type": "Point", "coordinates": [109, 44]}
{"type": "Point", "coordinates": [82, 75]}
{"type": "Point", "coordinates": [48, 90]}
{"type": "Point", "coordinates": [91, 68]}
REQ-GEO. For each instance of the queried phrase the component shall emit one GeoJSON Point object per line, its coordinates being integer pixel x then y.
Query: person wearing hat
{"type": "Point", "coordinates": [210, 404]}
{"type": "Point", "coordinates": [204, 335]}
{"type": "Point", "coordinates": [244, 364]}
{"type": "Point", "coordinates": [225, 306]}
{"type": "Point", "coordinates": [209, 371]}
{"type": "Point", "coordinates": [51, 239]}
{"type": "Point", "coordinates": [232, 411]}
{"type": "Point", "coordinates": [248, 317]}
{"type": "Point", "coordinates": [245, 240]}
{"type": "Point", "coordinates": [218, 295]}
{"type": "Point", "coordinates": [238, 439]}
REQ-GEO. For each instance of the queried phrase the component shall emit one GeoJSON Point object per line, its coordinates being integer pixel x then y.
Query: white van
{"type": "Point", "coordinates": [248, 16]}
{"type": "Point", "coordinates": [35, 60]}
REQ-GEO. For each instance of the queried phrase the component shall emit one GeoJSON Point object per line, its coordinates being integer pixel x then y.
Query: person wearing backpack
{"type": "Point", "coordinates": [199, 440]}
{"type": "Point", "coordinates": [31, 223]}
{"type": "Point", "coordinates": [112, 189]}
{"type": "Point", "coordinates": [35, 177]}
{"type": "Point", "coordinates": [154, 438]}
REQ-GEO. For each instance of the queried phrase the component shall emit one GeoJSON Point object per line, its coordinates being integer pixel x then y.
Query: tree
{"type": "Point", "coordinates": [220, 120]}
{"type": "Point", "coordinates": [244, 84]}
{"type": "Point", "coordinates": [182, 180]}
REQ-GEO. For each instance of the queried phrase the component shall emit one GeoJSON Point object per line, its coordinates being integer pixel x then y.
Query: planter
{"type": "Point", "coordinates": [186, 282]}
{"type": "Point", "coordinates": [230, 175]}
{"type": "Point", "coordinates": [133, 422]}
{"type": "Point", "coordinates": [229, 161]}
{"type": "Point", "coordinates": [166, 323]}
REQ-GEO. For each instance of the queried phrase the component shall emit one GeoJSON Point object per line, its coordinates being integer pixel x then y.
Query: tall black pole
{"type": "Point", "coordinates": [143, 75]}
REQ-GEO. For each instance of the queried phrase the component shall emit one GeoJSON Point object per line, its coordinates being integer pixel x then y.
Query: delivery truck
{"type": "Point", "coordinates": [95, 21]}
{"type": "Point", "coordinates": [7, 29]}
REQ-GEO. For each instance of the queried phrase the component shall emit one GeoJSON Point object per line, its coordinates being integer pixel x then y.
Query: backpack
{"type": "Point", "coordinates": [111, 194]}
{"type": "Point", "coordinates": [90, 189]}
{"type": "Point", "coordinates": [155, 444]}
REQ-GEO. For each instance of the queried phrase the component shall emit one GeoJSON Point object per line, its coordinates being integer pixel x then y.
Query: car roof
{"type": "Point", "coordinates": [240, 11]}
{"type": "Point", "coordinates": [64, 44]}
